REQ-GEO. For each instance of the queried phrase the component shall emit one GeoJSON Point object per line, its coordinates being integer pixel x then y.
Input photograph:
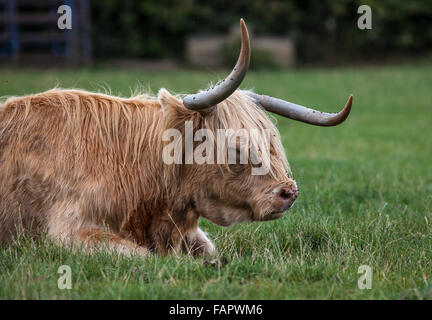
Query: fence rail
{"type": "Point", "coordinates": [29, 33]}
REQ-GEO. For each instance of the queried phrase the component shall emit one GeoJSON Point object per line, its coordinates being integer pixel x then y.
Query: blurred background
{"type": "Point", "coordinates": [165, 34]}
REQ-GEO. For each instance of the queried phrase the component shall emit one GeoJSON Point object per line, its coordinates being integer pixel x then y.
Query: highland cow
{"type": "Point", "coordinates": [87, 168]}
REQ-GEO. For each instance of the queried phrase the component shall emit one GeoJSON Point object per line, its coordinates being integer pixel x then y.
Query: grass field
{"type": "Point", "coordinates": [366, 199]}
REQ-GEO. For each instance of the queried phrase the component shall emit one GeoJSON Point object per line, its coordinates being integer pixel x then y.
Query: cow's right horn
{"type": "Point", "coordinates": [226, 87]}
{"type": "Point", "coordinates": [300, 113]}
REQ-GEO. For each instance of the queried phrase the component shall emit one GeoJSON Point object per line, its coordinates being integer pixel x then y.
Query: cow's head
{"type": "Point", "coordinates": [260, 186]}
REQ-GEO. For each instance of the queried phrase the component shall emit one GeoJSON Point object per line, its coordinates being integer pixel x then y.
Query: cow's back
{"type": "Point", "coordinates": [69, 149]}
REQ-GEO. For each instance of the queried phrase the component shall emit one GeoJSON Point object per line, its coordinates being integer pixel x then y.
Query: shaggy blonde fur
{"type": "Point", "coordinates": [88, 167]}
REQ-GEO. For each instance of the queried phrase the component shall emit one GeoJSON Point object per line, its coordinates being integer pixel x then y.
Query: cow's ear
{"type": "Point", "coordinates": [172, 106]}
{"type": "Point", "coordinates": [167, 100]}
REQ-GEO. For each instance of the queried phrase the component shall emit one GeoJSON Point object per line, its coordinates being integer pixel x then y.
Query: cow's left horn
{"type": "Point", "coordinates": [226, 87]}
{"type": "Point", "coordinates": [300, 113]}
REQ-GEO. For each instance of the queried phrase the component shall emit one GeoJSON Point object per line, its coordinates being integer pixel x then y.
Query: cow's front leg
{"type": "Point", "coordinates": [174, 233]}
{"type": "Point", "coordinates": [198, 244]}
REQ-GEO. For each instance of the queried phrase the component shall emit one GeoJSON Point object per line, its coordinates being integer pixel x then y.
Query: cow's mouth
{"type": "Point", "coordinates": [274, 215]}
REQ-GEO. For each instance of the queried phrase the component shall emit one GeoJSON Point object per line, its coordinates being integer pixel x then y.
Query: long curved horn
{"type": "Point", "coordinates": [303, 114]}
{"type": "Point", "coordinates": [226, 87]}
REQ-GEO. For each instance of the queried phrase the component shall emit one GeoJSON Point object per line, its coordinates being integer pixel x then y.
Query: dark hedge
{"type": "Point", "coordinates": [324, 30]}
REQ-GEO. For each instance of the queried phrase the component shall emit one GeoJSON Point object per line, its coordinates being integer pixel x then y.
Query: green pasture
{"type": "Point", "coordinates": [366, 198]}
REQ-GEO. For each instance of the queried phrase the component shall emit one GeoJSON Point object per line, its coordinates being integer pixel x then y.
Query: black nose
{"type": "Point", "coordinates": [287, 193]}
{"type": "Point", "coordinates": [288, 196]}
